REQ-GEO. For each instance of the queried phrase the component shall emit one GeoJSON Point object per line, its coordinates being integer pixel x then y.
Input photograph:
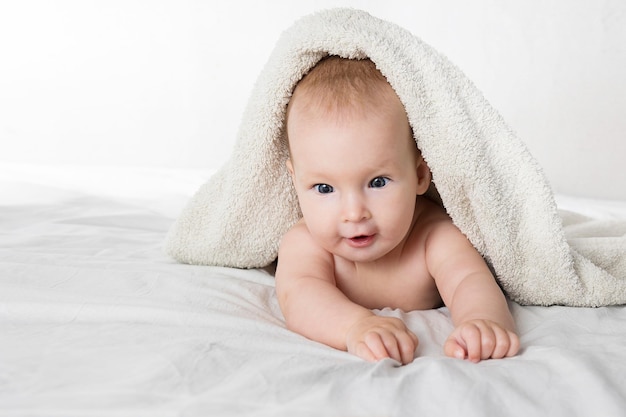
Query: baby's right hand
{"type": "Point", "coordinates": [374, 338]}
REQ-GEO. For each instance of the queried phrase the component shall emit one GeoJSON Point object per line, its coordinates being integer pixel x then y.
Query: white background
{"type": "Point", "coordinates": [163, 83]}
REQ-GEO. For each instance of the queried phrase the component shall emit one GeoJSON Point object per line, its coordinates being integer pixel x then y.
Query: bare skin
{"type": "Point", "coordinates": [368, 239]}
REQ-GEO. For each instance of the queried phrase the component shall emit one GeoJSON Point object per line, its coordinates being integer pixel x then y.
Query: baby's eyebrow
{"type": "Point", "coordinates": [314, 178]}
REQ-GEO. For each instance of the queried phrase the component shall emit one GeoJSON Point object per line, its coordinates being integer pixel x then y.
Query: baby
{"type": "Point", "coordinates": [369, 239]}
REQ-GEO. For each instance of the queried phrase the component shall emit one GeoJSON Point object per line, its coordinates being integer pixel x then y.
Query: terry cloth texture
{"type": "Point", "coordinates": [490, 185]}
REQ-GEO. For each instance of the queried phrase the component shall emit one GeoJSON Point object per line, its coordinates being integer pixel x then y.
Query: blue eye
{"type": "Point", "coordinates": [379, 182]}
{"type": "Point", "coordinates": [323, 188]}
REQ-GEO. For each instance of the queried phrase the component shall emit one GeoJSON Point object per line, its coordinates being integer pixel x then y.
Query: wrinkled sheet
{"type": "Point", "coordinates": [96, 321]}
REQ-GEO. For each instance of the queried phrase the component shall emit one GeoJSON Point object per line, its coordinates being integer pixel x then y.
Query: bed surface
{"type": "Point", "coordinates": [96, 321]}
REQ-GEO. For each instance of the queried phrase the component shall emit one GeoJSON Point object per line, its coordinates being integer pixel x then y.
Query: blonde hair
{"type": "Point", "coordinates": [342, 87]}
{"type": "Point", "coordinates": [337, 83]}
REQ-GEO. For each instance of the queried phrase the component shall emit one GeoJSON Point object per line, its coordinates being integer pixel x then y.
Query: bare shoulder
{"type": "Point", "coordinates": [434, 221]}
{"type": "Point", "coordinates": [298, 240]}
{"type": "Point", "coordinates": [442, 238]}
{"type": "Point", "coordinates": [444, 235]}
{"type": "Point", "coordinates": [450, 256]}
{"type": "Point", "coordinates": [300, 255]}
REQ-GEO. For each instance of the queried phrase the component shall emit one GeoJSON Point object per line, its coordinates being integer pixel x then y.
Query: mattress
{"type": "Point", "coordinates": [95, 320]}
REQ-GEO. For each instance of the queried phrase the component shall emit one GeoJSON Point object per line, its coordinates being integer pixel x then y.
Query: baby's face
{"type": "Point", "coordinates": [355, 174]}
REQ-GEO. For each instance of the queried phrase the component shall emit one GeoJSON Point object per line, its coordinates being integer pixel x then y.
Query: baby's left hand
{"type": "Point", "coordinates": [481, 339]}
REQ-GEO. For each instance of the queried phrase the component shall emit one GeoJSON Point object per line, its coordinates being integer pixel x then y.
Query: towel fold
{"type": "Point", "coordinates": [488, 182]}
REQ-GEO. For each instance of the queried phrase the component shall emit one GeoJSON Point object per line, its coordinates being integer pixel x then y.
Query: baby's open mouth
{"type": "Point", "coordinates": [361, 240]}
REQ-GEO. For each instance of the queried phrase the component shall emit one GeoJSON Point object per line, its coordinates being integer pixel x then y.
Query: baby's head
{"type": "Point", "coordinates": [340, 91]}
{"type": "Point", "coordinates": [339, 86]}
{"type": "Point", "coordinates": [353, 160]}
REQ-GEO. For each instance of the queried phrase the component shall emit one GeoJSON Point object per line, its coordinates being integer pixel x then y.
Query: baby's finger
{"type": "Point", "coordinates": [376, 345]}
{"type": "Point", "coordinates": [407, 343]}
{"type": "Point", "coordinates": [503, 343]}
{"type": "Point", "coordinates": [453, 348]}
{"type": "Point", "coordinates": [364, 352]}
{"type": "Point", "coordinates": [392, 346]}
{"type": "Point", "coordinates": [488, 341]}
{"type": "Point", "coordinates": [515, 344]}
{"type": "Point", "coordinates": [473, 343]}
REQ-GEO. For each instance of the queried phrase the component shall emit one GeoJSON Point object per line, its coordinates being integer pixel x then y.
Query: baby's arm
{"type": "Point", "coordinates": [484, 325]}
{"type": "Point", "coordinates": [314, 307]}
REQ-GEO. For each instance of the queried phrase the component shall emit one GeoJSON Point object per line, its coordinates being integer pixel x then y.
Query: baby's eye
{"type": "Point", "coordinates": [323, 188]}
{"type": "Point", "coordinates": [379, 182]}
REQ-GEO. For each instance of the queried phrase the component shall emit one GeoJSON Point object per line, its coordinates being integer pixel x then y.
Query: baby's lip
{"type": "Point", "coordinates": [360, 241]}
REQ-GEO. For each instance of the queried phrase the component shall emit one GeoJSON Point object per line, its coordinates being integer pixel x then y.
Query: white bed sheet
{"type": "Point", "coordinates": [96, 321]}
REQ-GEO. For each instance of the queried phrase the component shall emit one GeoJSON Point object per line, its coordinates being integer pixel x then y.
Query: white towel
{"type": "Point", "coordinates": [491, 186]}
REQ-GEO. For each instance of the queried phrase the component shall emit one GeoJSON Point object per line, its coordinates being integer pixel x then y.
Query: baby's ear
{"type": "Point", "coordinates": [423, 176]}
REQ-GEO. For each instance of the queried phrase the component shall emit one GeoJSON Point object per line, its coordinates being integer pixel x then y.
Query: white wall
{"type": "Point", "coordinates": [164, 82]}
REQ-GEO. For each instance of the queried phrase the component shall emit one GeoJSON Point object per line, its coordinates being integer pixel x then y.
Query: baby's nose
{"type": "Point", "coordinates": [354, 209]}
